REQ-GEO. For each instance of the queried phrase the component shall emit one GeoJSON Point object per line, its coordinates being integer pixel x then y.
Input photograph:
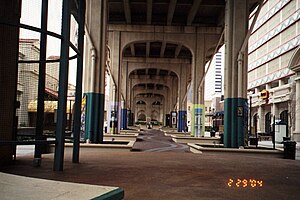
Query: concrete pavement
{"type": "Point", "coordinates": [174, 175]}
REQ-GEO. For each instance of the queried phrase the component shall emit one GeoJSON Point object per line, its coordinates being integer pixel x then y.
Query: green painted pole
{"type": "Point", "coordinates": [63, 89]}
{"type": "Point", "coordinates": [41, 84]}
{"type": "Point", "coordinates": [78, 95]}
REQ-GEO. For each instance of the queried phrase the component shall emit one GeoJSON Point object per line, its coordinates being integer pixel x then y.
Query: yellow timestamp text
{"type": "Point", "coordinates": [244, 183]}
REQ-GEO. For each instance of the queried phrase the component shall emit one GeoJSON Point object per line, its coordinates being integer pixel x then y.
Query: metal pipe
{"type": "Point", "coordinates": [41, 82]}
{"type": "Point", "coordinates": [63, 89]}
{"type": "Point", "coordinates": [78, 94]}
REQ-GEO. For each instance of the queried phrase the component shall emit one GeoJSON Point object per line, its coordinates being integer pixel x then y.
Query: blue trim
{"type": "Point", "coordinates": [181, 121]}
{"type": "Point", "coordinates": [124, 119]}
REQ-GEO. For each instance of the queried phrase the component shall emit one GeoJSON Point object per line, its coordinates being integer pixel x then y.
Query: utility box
{"type": "Point", "coordinates": [280, 132]}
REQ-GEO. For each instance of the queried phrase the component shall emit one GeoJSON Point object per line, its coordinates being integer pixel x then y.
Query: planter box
{"type": "Point", "coordinates": [213, 149]}
{"type": "Point", "coordinates": [109, 147]}
{"type": "Point", "coordinates": [189, 139]}
{"type": "Point", "coordinates": [170, 133]}
{"type": "Point", "coordinates": [120, 137]}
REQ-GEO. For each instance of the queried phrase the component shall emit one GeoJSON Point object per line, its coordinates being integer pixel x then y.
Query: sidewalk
{"type": "Point", "coordinates": [279, 146]}
{"type": "Point", "coordinates": [20, 187]}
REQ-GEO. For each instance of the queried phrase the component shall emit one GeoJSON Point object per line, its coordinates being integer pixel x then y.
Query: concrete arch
{"type": "Point", "coordinates": [141, 116]}
{"type": "Point", "coordinates": [142, 102]}
{"type": "Point", "coordinates": [145, 41]}
{"type": "Point", "coordinates": [158, 98]}
{"type": "Point", "coordinates": [188, 42]}
{"type": "Point", "coordinates": [294, 62]}
{"type": "Point", "coordinates": [156, 102]}
{"type": "Point", "coordinates": [154, 92]}
{"type": "Point", "coordinates": [154, 115]}
{"type": "Point", "coordinates": [163, 66]}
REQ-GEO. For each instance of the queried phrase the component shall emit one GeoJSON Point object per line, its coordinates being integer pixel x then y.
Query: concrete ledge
{"type": "Point", "coordinates": [218, 148]}
{"type": "Point", "coordinates": [99, 147]}
{"type": "Point", "coordinates": [131, 131]}
{"type": "Point", "coordinates": [169, 133]}
{"type": "Point", "coordinates": [189, 139]}
{"type": "Point", "coordinates": [120, 137]}
{"type": "Point", "coordinates": [20, 187]}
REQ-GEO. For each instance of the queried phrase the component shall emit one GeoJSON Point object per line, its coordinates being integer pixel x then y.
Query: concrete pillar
{"type": "Point", "coordinates": [274, 109]}
{"type": "Point", "coordinates": [9, 40]}
{"type": "Point", "coordinates": [197, 71]}
{"type": "Point", "coordinates": [94, 91]}
{"type": "Point", "coordinates": [296, 133]}
{"type": "Point", "coordinates": [198, 67]}
{"type": "Point", "coordinates": [235, 103]}
{"type": "Point", "coordinates": [182, 102]}
{"type": "Point", "coordinates": [124, 88]}
{"type": "Point", "coordinates": [281, 82]}
{"type": "Point", "coordinates": [261, 120]}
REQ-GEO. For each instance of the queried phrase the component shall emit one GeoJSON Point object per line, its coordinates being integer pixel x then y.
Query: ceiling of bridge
{"type": "Point", "coordinates": [166, 12]}
{"type": "Point", "coordinates": [157, 50]}
{"type": "Point", "coordinates": [153, 73]}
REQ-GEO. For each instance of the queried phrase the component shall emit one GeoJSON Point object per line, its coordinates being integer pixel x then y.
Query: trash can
{"type": "Point", "coordinates": [222, 138]}
{"type": "Point", "coordinates": [289, 148]}
{"type": "Point", "coordinates": [253, 140]}
{"type": "Point", "coordinates": [212, 133]}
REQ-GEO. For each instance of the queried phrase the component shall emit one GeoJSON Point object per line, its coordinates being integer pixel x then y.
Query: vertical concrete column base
{"type": "Point", "coordinates": [94, 117]}
{"type": "Point", "coordinates": [181, 121]}
{"type": "Point", "coordinates": [124, 119]}
{"type": "Point", "coordinates": [235, 122]}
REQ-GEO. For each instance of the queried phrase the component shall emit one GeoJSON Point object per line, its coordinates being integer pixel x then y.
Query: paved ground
{"type": "Point", "coordinates": [174, 175]}
{"type": "Point", "coordinates": [151, 140]}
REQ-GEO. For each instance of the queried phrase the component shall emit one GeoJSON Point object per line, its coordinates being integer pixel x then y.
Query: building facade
{"type": "Point", "coordinates": [273, 42]}
{"type": "Point", "coordinates": [27, 93]}
{"type": "Point", "coordinates": [214, 77]}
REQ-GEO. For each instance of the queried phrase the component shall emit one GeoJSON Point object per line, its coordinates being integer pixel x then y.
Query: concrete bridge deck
{"type": "Point", "coordinates": [148, 175]}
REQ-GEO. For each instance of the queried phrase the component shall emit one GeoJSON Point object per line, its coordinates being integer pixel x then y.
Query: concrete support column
{"type": "Point", "coordinates": [124, 90]}
{"type": "Point", "coordinates": [261, 120]}
{"type": "Point", "coordinates": [130, 102]}
{"type": "Point", "coordinates": [236, 108]}
{"type": "Point", "coordinates": [94, 91]}
{"type": "Point", "coordinates": [124, 118]}
{"type": "Point", "coordinates": [274, 109]}
{"type": "Point", "coordinates": [198, 68]}
{"type": "Point", "coordinates": [148, 109]}
{"type": "Point", "coordinates": [182, 102]}
{"type": "Point", "coordinates": [197, 71]}
{"type": "Point", "coordinates": [9, 40]}
{"type": "Point", "coordinates": [281, 82]}
{"type": "Point", "coordinates": [296, 133]}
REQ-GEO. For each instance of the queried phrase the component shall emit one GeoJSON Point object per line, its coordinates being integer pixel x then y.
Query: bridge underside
{"type": "Point", "coordinates": [154, 53]}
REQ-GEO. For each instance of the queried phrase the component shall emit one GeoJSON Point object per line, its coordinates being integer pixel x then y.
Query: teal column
{"type": "Point", "coordinates": [227, 122]}
{"type": "Point", "coordinates": [235, 122]}
{"type": "Point", "coordinates": [94, 117]}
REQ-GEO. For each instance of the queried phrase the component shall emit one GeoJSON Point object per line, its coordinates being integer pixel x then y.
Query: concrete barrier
{"type": "Point", "coordinates": [182, 139]}
{"type": "Point", "coordinates": [218, 148]}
